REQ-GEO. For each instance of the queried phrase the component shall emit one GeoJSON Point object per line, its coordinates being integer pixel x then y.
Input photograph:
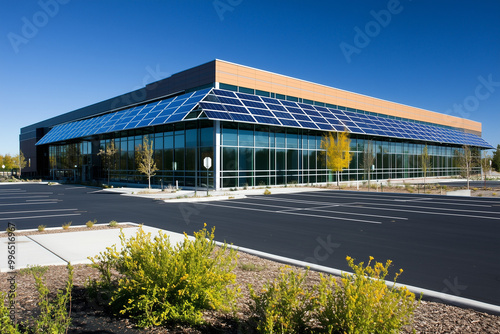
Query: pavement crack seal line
{"type": "Point", "coordinates": [428, 294]}
{"type": "Point", "coordinates": [47, 249]}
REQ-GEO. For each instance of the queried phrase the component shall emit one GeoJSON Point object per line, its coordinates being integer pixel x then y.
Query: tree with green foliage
{"type": "Point", "coordinates": [425, 161]}
{"type": "Point", "coordinates": [337, 151]}
{"type": "Point", "coordinates": [496, 159]}
{"type": "Point", "coordinates": [108, 157]}
{"type": "Point", "coordinates": [145, 161]}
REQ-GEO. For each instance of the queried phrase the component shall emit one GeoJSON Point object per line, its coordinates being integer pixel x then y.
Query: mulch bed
{"type": "Point", "coordinates": [91, 317]}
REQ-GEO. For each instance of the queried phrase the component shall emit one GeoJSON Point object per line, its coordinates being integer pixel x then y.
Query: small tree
{"type": "Point", "coordinates": [368, 160]}
{"type": "Point", "coordinates": [425, 162]}
{"type": "Point", "coordinates": [145, 161]}
{"type": "Point", "coordinates": [465, 161]}
{"type": "Point", "coordinates": [108, 157]}
{"type": "Point", "coordinates": [20, 161]}
{"type": "Point", "coordinates": [485, 165]}
{"type": "Point", "coordinates": [337, 151]}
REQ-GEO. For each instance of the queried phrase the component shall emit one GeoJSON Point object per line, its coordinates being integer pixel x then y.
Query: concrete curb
{"type": "Point", "coordinates": [426, 293]}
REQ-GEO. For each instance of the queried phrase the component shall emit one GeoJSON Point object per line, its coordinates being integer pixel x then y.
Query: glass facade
{"type": "Point", "coordinates": [256, 155]}
{"type": "Point", "coordinates": [179, 150]}
{"type": "Point", "coordinates": [249, 155]}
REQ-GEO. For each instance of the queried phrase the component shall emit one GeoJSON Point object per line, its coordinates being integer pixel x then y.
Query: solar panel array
{"type": "Point", "coordinates": [241, 107]}
{"type": "Point", "coordinates": [160, 112]}
{"type": "Point", "coordinates": [225, 105]}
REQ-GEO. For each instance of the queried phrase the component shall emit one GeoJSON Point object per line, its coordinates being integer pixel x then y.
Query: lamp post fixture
{"type": "Point", "coordinates": [3, 170]}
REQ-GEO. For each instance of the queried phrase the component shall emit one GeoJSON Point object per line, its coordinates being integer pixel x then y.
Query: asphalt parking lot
{"type": "Point", "coordinates": [446, 244]}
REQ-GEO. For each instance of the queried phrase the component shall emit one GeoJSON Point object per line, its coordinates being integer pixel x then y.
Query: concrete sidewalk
{"type": "Point", "coordinates": [75, 247]}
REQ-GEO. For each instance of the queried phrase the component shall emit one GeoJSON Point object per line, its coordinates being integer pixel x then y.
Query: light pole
{"type": "Point", "coordinates": [3, 170]}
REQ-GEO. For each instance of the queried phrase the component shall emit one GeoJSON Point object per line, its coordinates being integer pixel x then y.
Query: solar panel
{"type": "Point", "coordinates": [241, 107]}
{"type": "Point", "coordinates": [169, 110]}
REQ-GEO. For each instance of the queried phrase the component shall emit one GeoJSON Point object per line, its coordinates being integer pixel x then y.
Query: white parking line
{"type": "Point", "coordinates": [319, 208]}
{"type": "Point", "coordinates": [31, 193]}
{"type": "Point", "coordinates": [31, 211]}
{"type": "Point", "coordinates": [48, 216]}
{"type": "Point", "coordinates": [430, 208]}
{"type": "Point", "coordinates": [424, 212]}
{"type": "Point", "coordinates": [392, 198]}
{"type": "Point", "coordinates": [25, 197]}
{"type": "Point", "coordinates": [9, 204]}
{"type": "Point", "coordinates": [281, 199]}
{"type": "Point", "coordinates": [289, 213]}
{"type": "Point", "coordinates": [356, 214]}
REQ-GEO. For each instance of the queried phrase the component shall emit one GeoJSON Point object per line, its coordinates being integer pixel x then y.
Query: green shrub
{"type": "Point", "coordinates": [283, 306]}
{"type": "Point", "coordinates": [41, 228]}
{"type": "Point", "coordinates": [113, 223]}
{"type": "Point", "coordinates": [363, 303]}
{"type": "Point", "coordinates": [53, 317]}
{"type": "Point", "coordinates": [161, 283]}
{"type": "Point", "coordinates": [6, 325]}
{"type": "Point", "coordinates": [267, 192]}
{"type": "Point", "coordinates": [66, 226]}
{"type": "Point", "coordinates": [91, 223]}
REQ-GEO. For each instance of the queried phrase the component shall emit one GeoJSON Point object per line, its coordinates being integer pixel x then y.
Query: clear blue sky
{"type": "Point", "coordinates": [428, 54]}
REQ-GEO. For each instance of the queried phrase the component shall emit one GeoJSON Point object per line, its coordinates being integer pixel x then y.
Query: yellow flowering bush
{"type": "Point", "coordinates": [159, 283]}
{"type": "Point", "coordinates": [360, 303]}
{"type": "Point", "coordinates": [284, 305]}
{"type": "Point", "coordinates": [363, 303]}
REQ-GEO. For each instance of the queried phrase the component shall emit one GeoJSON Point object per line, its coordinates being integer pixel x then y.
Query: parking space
{"type": "Point", "coordinates": [374, 208]}
{"type": "Point", "coordinates": [19, 204]}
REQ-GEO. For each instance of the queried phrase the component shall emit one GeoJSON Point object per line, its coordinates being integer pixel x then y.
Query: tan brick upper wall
{"type": "Point", "coordinates": [245, 76]}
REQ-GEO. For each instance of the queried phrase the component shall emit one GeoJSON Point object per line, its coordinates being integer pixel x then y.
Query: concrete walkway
{"type": "Point", "coordinates": [61, 248]}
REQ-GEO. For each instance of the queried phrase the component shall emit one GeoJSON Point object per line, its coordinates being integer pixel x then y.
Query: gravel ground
{"type": "Point", "coordinates": [89, 317]}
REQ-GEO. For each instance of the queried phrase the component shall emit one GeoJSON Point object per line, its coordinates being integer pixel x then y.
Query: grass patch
{"type": "Point", "coordinates": [251, 267]}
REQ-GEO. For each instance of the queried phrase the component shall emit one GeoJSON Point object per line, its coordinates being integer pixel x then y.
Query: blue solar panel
{"type": "Point", "coordinates": [248, 97]}
{"type": "Point", "coordinates": [261, 112]}
{"type": "Point", "coordinates": [130, 118]}
{"type": "Point", "coordinates": [226, 105]}
{"type": "Point", "coordinates": [217, 115]}
{"type": "Point", "coordinates": [237, 109]}
{"type": "Point", "coordinates": [267, 120]}
{"type": "Point", "coordinates": [224, 93]}
{"type": "Point", "coordinates": [242, 117]}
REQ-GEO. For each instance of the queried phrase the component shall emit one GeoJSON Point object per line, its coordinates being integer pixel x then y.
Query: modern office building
{"type": "Point", "coordinates": [258, 127]}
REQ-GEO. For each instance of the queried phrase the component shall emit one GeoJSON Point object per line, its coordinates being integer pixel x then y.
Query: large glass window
{"type": "Point", "coordinates": [230, 134]}
{"type": "Point", "coordinates": [245, 135]}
